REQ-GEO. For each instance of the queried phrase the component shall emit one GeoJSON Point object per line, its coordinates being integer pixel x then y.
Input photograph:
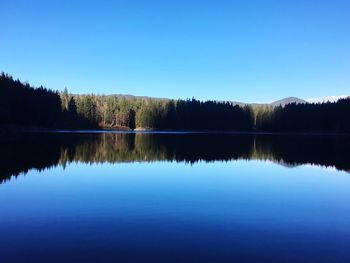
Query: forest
{"type": "Point", "coordinates": [25, 106]}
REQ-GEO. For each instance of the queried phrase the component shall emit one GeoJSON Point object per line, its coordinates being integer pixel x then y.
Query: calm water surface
{"type": "Point", "coordinates": [174, 198]}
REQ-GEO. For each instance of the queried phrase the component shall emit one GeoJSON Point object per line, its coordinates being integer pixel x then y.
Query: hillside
{"type": "Point", "coordinates": [281, 102]}
{"type": "Point", "coordinates": [287, 100]}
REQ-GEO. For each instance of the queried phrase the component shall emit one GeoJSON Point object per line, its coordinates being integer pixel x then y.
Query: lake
{"type": "Point", "coordinates": [174, 197]}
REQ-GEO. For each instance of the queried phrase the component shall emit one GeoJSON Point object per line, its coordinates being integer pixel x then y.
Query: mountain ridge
{"type": "Point", "coordinates": [281, 102]}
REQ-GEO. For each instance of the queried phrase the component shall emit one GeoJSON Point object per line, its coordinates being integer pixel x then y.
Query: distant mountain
{"type": "Point", "coordinates": [325, 99]}
{"type": "Point", "coordinates": [286, 101]}
{"type": "Point", "coordinates": [276, 103]}
{"type": "Point", "coordinates": [281, 102]}
{"type": "Point", "coordinates": [127, 96]}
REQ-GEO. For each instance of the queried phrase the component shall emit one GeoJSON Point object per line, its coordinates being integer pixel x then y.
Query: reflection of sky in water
{"type": "Point", "coordinates": [178, 198]}
{"type": "Point", "coordinates": [247, 192]}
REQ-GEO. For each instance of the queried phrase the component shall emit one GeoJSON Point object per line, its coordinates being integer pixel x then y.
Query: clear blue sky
{"type": "Point", "coordinates": [235, 50]}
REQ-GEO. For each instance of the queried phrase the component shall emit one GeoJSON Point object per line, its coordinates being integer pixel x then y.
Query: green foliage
{"type": "Point", "coordinates": [86, 107]}
{"type": "Point", "coordinates": [24, 105]}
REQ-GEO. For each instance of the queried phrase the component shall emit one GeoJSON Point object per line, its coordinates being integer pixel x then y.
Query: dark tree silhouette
{"type": "Point", "coordinates": [23, 105]}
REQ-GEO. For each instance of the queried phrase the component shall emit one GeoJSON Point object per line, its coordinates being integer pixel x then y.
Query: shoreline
{"type": "Point", "coordinates": [13, 131]}
{"type": "Point", "coordinates": [65, 131]}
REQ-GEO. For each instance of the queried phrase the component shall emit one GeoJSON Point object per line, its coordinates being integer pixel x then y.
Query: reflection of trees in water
{"type": "Point", "coordinates": [158, 147]}
{"type": "Point", "coordinates": [41, 151]}
{"type": "Point", "coordinates": [296, 150]}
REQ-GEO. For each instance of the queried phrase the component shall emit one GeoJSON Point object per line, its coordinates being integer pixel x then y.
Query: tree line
{"type": "Point", "coordinates": [111, 112]}
{"type": "Point", "coordinates": [319, 117]}
{"type": "Point", "coordinates": [22, 104]}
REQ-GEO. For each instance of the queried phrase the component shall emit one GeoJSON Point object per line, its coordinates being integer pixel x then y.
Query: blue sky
{"type": "Point", "coordinates": [253, 51]}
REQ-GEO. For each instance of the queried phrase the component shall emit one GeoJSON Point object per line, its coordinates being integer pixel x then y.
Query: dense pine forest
{"type": "Point", "coordinates": [25, 106]}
